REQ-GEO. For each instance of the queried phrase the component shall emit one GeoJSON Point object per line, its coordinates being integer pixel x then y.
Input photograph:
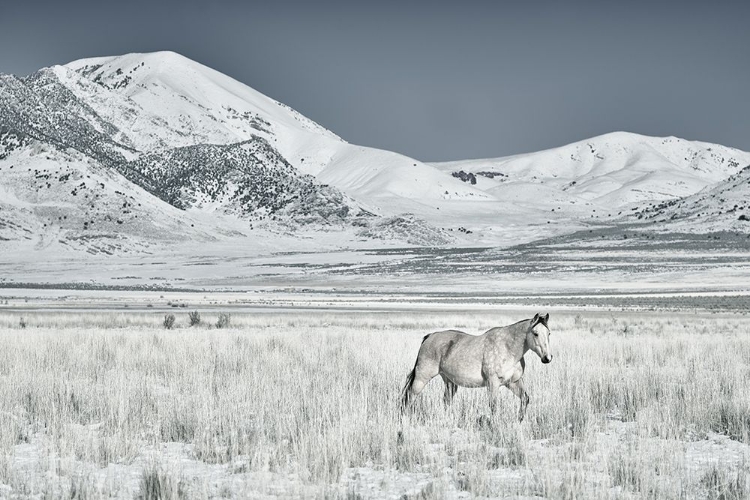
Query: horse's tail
{"type": "Point", "coordinates": [405, 395]}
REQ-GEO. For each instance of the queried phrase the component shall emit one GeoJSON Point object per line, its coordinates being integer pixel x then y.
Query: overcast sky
{"type": "Point", "coordinates": [436, 80]}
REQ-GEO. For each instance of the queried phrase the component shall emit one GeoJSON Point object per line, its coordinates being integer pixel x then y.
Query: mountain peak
{"type": "Point", "coordinates": [191, 96]}
{"type": "Point", "coordinates": [126, 72]}
{"type": "Point", "coordinates": [133, 59]}
{"type": "Point", "coordinates": [621, 138]}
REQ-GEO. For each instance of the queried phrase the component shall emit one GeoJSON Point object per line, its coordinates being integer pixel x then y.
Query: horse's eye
{"type": "Point", "coordinates": [536, 334]}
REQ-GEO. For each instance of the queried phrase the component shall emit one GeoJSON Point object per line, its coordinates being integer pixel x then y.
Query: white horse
{"type": "Point", "coordinates": [493, 360]}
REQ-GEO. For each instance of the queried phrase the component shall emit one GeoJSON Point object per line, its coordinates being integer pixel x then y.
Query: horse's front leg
{"type": "Point", "coordinates": [518, 389]}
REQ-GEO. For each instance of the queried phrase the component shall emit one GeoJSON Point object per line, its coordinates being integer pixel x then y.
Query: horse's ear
{"type": "Point", "coordinates": [546, 318]}
{"type": "Point", "coordinates": [534, 320]}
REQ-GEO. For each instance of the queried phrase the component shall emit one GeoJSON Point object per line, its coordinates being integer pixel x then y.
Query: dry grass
{"type": "Point", "coordinates": [624, 410]}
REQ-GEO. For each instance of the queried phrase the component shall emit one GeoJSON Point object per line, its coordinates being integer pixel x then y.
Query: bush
{"type": "Point", "coordinates": [169, 321]}
{"type": "Point", "coordinates": [223, 321]}
{"type": "Point", "coordinates": [158, 485]}
{"type": "Point", "coordinates": [22, 323]}
{"type": "Point", "coordinates": [195, 318]}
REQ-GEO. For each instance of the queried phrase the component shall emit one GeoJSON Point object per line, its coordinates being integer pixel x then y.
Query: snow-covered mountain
{"type": "Point", "coordinates": [120, 154]}
{"type": "Point", "coordinates": [187, 136]}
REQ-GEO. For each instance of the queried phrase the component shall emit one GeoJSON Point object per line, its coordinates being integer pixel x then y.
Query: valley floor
{"type": "Point", "coordinates": [301, 400]}
{"type": "Point", "coordinates": [606, 260]}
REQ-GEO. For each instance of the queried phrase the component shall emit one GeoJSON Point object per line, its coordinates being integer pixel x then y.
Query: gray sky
{"type": "Point", "coordinates": [436, 80]}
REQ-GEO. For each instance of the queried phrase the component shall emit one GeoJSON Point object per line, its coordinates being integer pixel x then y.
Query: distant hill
{"type": "Point", "coordinates": [612, 170]}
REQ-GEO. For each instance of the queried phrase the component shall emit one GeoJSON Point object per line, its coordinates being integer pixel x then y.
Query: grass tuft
{"type": "Point", "coordinates": [156, 484]}
{"type": "Point", "coordinates": [169, 321]}
{"type": "Point", "coordinates": [223, 320]}
{"type": "Point", "coordinates": [721, 484]}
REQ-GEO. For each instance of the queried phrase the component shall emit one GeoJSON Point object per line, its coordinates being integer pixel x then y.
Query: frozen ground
{"type": "Point", "coordinates": [603, 261]}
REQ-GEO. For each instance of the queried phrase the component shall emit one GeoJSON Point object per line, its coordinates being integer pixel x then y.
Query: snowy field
{"type": "Point", "coordinates": [301, 400]}
{"type": "Point", "coordinates": [632, 259]}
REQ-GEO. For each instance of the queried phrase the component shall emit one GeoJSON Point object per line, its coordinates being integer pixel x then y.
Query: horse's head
{"type": "Point", "coordinates": [538, 337]}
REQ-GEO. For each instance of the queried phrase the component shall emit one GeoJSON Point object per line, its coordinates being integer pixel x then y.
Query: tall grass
{"type": "Point", "coordinates": [311, 396]}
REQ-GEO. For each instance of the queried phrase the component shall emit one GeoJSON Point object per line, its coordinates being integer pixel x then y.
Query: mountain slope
{"type": "Point", "coordinates": [40, 107]}
{"type": "Point", "coordinates": [724, 207]}
{"type": "Point", "coordinates": [248, 179]}
{"type": "Point", "coordinates": [63, 200]}
{"type": "Point", "coordinates": [191, 102]}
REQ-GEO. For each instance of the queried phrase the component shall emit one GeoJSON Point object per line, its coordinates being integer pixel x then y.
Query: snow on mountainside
{"type": "Point", "coordinates": [613, 170]}
{"type": "Point", "coordinates": [121, 154]}
{"type": "Point", "coordinates": [724, 207]}
{"type": "Point", "coordinates": [195, 103]}
{"type": "Point", "coordinates": [249, 179]}
{"type": "Point", "coordinates": [40, 107]}
{"type": "Point", "coordinates": [63, 200]}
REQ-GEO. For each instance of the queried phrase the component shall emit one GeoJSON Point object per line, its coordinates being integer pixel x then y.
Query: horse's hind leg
{"type": "Point", "coordinates": [450, 390]}
{"type": "Point", "coordinates": [518, 389]}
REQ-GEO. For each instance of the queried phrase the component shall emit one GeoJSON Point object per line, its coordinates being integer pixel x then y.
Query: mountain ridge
{"type": "Point", "coordinates": [622, 158]}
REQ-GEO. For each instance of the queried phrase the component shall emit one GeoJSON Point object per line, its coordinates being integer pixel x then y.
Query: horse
{"type": "Point", "coordinates": [493, 359]}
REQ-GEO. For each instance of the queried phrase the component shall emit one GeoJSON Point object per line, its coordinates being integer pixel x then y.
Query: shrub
{"type": "Point", "coordinates": [158, 485]}
{"type": "Point", "coordinates": [169, 320]}
{"type": "Point", "coordinates": [195, 318]}
{"type": "Point", "coordinates": [578, 320]}
{"type": "Point", "coordinates": [22, 323]}
{"type": "Point", "coordinates": [223, 321]}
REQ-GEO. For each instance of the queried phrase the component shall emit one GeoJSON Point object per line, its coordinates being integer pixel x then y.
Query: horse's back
{"type": "Point", "coordinates": [439, 343]}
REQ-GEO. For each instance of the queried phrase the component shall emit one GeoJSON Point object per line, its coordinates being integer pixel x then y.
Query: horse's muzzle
{"type": "Point", "coordinates": [547, 358]}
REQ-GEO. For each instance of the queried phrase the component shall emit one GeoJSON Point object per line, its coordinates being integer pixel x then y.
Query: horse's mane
{"type": "Point", "coordinates": [519, 322]}
{"type": "Point", "coordinates": [540, 319]}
